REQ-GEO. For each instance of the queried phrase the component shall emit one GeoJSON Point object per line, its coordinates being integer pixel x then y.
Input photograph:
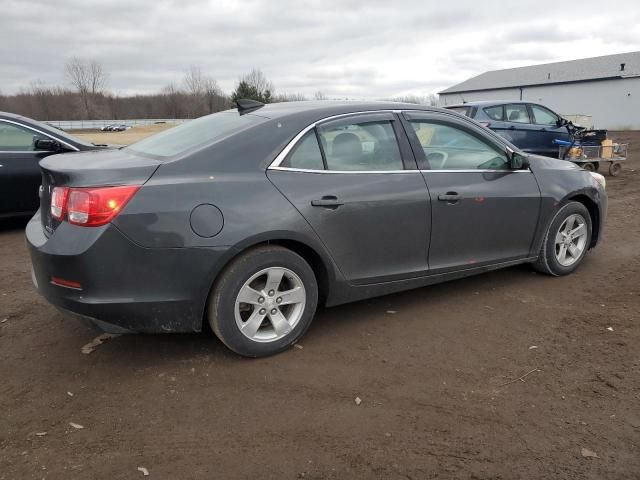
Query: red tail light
{"type": "Point", "coordinates": [92, 206]}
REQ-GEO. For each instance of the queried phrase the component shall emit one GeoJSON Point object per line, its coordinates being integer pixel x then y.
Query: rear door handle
{"type": "Point", "coordinates": [327, 201]}
{"type": "Point", "coordinates": [449, 197]}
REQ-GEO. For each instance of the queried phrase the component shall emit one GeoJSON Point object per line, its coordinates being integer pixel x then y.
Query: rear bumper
{"type": "Point", "coordinates": [127, 286]}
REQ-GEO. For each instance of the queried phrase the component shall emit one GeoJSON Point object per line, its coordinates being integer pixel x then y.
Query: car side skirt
{"type": "Point", "coordinates": [346, 293]}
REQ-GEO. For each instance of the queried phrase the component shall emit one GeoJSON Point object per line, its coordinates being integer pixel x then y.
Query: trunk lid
{"type": "Point", "coordinates": [90, 169]}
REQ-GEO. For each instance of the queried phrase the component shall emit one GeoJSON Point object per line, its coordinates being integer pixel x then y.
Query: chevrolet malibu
{"type": "Point", "coordinates": [250, 219]}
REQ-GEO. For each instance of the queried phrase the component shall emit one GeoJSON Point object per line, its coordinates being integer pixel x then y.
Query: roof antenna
{"type": "Point", "coordinates": [622, 65]}
{"type": "Point", "coordinates": [246, 105]}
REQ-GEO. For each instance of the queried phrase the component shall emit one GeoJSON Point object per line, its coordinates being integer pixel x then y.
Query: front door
{"type": "Point", "coordinates": [360, 190]}
{"type": "Point", "coordinates": [547, 130]}
{"type": "Point", "coordinates": [483, 212]}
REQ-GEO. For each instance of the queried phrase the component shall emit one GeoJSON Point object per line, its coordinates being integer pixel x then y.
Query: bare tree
{"type": "Point", "coordinates": [97, 77]}
{"type": "Point", "coordinates": [431, 99]}
{"type": "Point", "coordinates": [216, 100]}
{"type": "Point", "coordinates": [194, 81]}
{"type": "Point", "coordinates": [254, 85]}
{"type": "Point", "coordinates": [319, 95]}
{"type": "Point", "coordinates": [289, 97]}
{"type": "Point", "coordinates": [88, 78]}
{"type": "Point", "coordinates": [42, 97]}
{"type": "Point", "coordinates": [256, 79]}
{"type": "Point", "coordinates": [172, 97]}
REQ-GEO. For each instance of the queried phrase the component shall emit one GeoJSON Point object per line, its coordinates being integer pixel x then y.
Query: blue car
{"type": "Point", "coordinates": [530, 126]}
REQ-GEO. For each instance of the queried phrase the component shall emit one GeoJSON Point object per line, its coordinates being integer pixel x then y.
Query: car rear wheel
{"type": "Point", "coordinates": [566, 241]}
{"type": "Point", "coordinates": [263, 302]}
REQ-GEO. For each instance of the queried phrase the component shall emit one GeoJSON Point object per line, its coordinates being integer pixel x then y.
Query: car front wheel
{"type": "Point", "coordinates": [566, 241]}
{"type": "Point", "coordinates": [263, 302]}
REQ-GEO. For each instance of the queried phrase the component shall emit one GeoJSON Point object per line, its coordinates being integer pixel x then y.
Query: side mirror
{"type": "Point", "coordinates": [47, 144]}
{"type": "Point", "coordinates": [561, 122]}
{"type": "Point", "coordinates": [518, 161]}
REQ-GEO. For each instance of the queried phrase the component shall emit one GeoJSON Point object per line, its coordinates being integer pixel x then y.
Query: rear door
{"type": "Point", "coordinates": [19, 172]}
{"type": "Point", "coordinates": [516, 126]}
{"type": "Point", "coordinates": [548, 130]}
{"type": "Point", "coordinates": [356, 182]}
{"type": "Point", "coordinates": [483, 212]}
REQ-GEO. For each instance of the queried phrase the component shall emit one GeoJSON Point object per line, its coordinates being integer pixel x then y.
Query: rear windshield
{"type": "Point", "coordinates": [463, 110]}
{"type": "Point", "coordinates": [195, 134]}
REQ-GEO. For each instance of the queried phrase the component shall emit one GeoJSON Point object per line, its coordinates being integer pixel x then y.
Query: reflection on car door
{"type": "Point", "coordinates": [19, 171]}
{"type": "Point", "coordinates": [482, 211]}
{"type": "Point", "coordinates": [361, 192]}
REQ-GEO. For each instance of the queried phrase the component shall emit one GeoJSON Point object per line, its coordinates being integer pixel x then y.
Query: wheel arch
{"type": "Point", "coordinates": [594, 213]}
{"type": "Point", "coordinates": [319, 261]}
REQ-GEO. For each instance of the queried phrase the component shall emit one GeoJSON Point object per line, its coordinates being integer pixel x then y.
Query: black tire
{"type": "Point", "coordinates": [221, 308]}
{"type": "Point", "coordinates": [589, 167]}
{"type": "Point", "coordinates": [547, 261]}
{"type": "Point", "coordinates": [615, 168]}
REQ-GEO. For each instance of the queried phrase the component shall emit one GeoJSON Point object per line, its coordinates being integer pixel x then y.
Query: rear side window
{"type": "Point", "coordinates": [195, 134]}
{"type": "Point", "coordinates": [361, 146]}
{"type": "Point", "coordinates": [517, 112]}
{"type": "Point", "coordinates": [494, 113]}
{"type": "Point", "coordinates": [306, 154]}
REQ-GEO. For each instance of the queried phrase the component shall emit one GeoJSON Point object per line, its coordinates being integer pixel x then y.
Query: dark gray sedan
{"type": "Point", "coordinates": [250, 219]}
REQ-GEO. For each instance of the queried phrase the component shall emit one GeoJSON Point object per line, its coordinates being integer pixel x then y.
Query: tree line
{"type": "Point", "coordinates": [87, 98]}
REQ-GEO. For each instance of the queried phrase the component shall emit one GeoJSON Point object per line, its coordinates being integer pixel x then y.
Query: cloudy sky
{"type": "Point", "coordinates": [345, 48]}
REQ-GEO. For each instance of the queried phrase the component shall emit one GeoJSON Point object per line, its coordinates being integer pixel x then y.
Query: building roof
{"type": "Point", "coordinates": [595, 68]}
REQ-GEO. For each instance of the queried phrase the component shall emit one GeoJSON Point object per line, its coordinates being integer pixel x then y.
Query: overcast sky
{"type": "Point", "coordinates": [346, 48]}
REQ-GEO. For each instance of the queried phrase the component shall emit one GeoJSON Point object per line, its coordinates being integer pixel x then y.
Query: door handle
{"type": "Point", "coordinates": [449, 197]}
{"type": "Point", "coordinates": [327, 201]}
{"type": "Point", "coordinates": [512, 127]}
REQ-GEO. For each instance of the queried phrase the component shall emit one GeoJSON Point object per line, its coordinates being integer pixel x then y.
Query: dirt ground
{"type": "Point", "coordinates": [121, 138]}
{"type": "Point", "coordinates": [437, 370]}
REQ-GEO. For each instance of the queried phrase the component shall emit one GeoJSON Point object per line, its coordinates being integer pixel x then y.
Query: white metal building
{"type": "Point", "coordinates": [606, 88]}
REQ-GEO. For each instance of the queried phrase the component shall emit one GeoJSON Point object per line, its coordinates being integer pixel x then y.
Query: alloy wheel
{"type": "Point", "coordinates": [571, 240]}
{"type": "Point", "coordinates": [270, 304]}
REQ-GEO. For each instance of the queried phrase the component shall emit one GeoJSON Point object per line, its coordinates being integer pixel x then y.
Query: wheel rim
{"type": "Point", "coordinates": [270, 304]}
{"type": "Point", "coordinates": [571, 240]}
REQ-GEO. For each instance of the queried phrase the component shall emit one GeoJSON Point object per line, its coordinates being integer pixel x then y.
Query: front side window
{"type": "Point", "coordinates": [195, 134]}
{"type": "Point", "coordinates": [517, 112]}
{"type": "Point", "coordinates": [543, 116]}
{"type": "Point", "coordinates": [494, 113]}
{"type": "Point", "coordinates": [361, 146]}
{"type": "Point", "coordinates": [306, 154]}
{"type": "Point", "coordinates": [448, 147]}
{"type": "Point", "coordinates": [14, 138]}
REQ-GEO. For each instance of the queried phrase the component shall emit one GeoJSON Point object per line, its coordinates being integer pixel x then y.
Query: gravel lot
{"type": "Point", "coordinates": [436, 369]}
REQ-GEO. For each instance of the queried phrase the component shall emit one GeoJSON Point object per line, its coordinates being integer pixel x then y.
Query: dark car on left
{"type": "Point", "coordinates": [23, 143]}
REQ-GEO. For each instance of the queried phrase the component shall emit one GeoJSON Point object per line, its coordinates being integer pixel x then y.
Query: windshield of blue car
{"type": "Point", "coordinates": [195, 134]}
